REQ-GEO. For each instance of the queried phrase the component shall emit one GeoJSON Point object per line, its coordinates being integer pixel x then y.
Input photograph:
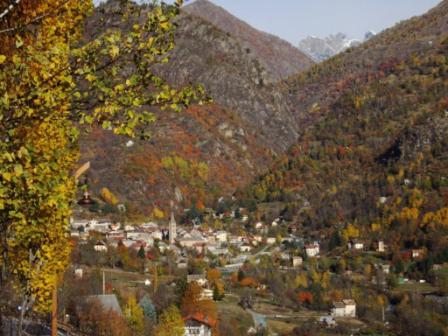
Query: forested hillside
{"type": "Point", "coordinates": [207, 151]}
{"type": "Point", "coordinates": [374, 154]}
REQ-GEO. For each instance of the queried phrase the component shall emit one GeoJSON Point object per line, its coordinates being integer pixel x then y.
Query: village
{"type": "Point", "coordinates": [322, 286]}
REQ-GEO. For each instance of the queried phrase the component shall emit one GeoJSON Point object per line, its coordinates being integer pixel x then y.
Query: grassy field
{"type": "Point", "coordinates": [234, 314]}
{"type": "Point", "coordinates": [280, 327]}
{"type": "Point", "coordinates": [415, 287]}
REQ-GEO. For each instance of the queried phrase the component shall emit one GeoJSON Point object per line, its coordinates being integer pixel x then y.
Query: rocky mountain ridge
{"type": "Point", "coordinates": [278, 57]}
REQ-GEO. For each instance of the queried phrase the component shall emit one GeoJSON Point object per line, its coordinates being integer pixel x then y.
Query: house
{"type": "Point", "coordinates": [258, 238]}
{"type": "Point", "coordinates": [191, 239]}
{"type": "Point", "coordinates": [182, 263]}
{"type": "Point", "coordinates": [328, 321]}
{"type": "Point", "coordinates": [418, 253]}
{"type": "Point", "coordinates": [297, 261]}
{"type": "Point", "coordinates": [385, 268]}
{"type": "Point", "coordinates": [221, 236]}
{"type": "Point", "coordinates": [344, 308]}
{"type": "Point", "coordinates": [199, 278]}
{"type": "Point", "coordinates": [100, 246]}
{"type": "Point", "coordinates": [381, 246]}
{"type": "Point", "coordinates": [270, 240]}
{"type": "Point", "coordinates": [200, 247]}
{"type": "Point", "coordinates": [157, 235]}
{"type": "Point", "coordinates": [259, 225]}
{"type": "Point", "coordinates": [116, 235]}
{"type": "Point", "coordinates": [79, 272]}
{"type": "Point", "coordinates": [245, 248]}
{"type": "Point", "coordinates": [312, 250]}
{"type": "Point", "coordinates": [129, 228]}
{"type": "Point", "coordinates": [198, 324]}
{"type": "Point", "coordinates": [356, 245]}
{"type": "Point", "coordinates": [207, 294]}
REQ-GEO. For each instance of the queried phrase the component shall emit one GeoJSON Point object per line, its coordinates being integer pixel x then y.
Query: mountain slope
{"type": "Point", "coordinates": [206, 151]}
{"type": "Point", "coordinates": [375, 151]}
{"type": "Point", "coordinates": [277, 56]}
{"type": "Point", "coordinates": [313, 92]}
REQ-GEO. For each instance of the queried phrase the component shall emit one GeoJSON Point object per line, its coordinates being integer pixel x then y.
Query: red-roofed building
{"type": "Point", "coordinates": [199, 324]}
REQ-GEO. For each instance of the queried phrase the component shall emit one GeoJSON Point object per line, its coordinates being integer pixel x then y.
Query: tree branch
{"type": "Point", "coordinates": [9, 9]}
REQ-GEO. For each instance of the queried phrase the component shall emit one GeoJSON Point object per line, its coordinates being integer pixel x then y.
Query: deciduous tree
{"type": "Point", "coordinates": [52, 82]}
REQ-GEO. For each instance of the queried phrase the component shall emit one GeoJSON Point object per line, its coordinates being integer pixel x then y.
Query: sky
{"type": "Point", "coordinates": [294, 20]}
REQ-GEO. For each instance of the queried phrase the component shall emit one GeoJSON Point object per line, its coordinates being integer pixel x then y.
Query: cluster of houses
{"type": "Point", "coordinates": [236, 248]}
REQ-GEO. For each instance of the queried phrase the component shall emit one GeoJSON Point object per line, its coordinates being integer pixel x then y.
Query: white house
{"type": "Point", "coordinates": [206, 294]}
{"type": "Point", "coordinates": [100, 246]}
{"type": "Point", "coordinates": [312, 250]}
{"type": "Point", "coordinates": [344, 308]}
{"type": "Point", "coordinates": [297, 261]}
{"type": "Point", "coordinates": [245, 248]}
{"type": "Point", "coordinates": [381, 246]}
{"type": "Point", "coordinates": [79, 272]}
{"type": "Point", "coordinates": [270, 240]}
{"type": "Point", "coordinates": [327, 321]}
{"type": "Point", "coordinates": [356, 245]}
{"type": "Point", "coordinates": [259, 225]}
{"type": "Point", "coordinates": [157, 235]}
{"type": "Point", "coordinates": [199, 278]}
{"type": "Point", "coordinates": [198, 325]}
{"type": "Point", "coordinates": [258, 238]}
{"type": "Point", "coordinates": [221, 236]}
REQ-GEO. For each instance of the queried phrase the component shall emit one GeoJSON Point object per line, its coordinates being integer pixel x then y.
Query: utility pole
{"type": "Point", "coordinates": [54, 312]}
{"type": "Point", "coordinates": [104, 283]}
{"type": "Point", "coordinates": [155, 281]}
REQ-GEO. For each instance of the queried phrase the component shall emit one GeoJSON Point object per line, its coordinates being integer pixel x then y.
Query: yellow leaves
{"type": "Point", "coordinates": [435, 220]}
{"type": "Point", "coordinates": [350, 232]}
{"type": "Point", "coordinates": [108, 196]}
{"type": "Point", "coordinates": [157, 213]}
{"type": "Point", "coordinates": [2, 59]}
{"type": "Point", "coordinates": [114, 51]}
{"type": "Point", "coordinates": [90, 77]}
{"type": "Point", "coordinates": [6, 176]}
{"type": "Point", "coordinates": [165, 25]}
{"type": "Point", "coordinates": [375, 227]}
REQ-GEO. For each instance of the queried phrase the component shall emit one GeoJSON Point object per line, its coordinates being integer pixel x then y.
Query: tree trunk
{"type": "Point", "coordinates": [22, 316]}
{"type": "Point", "coordinates": [54, 313]}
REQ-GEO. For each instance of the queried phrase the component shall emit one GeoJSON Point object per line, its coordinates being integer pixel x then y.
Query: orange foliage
{"type": "Point", "coordinates": [249, 282]}
{"type": "Point", "coordinates": [305, 297]}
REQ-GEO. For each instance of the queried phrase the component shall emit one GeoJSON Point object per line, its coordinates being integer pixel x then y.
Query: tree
{"type": "Point", "coordinates": [305, 297]}
{"type": "Point", "coordinates": [141, 252]}
{"type": "Point", "coordinates": [149, 310]}
{"type": "Point", "coordinates": [52, 83]}
{"type": "Point", "coordinates": [213, 275]}
{"type": "Point", "coordinates": [134, 316]}
{"type": "Point", "coordinates": [108, 196]}
{"type": "Point", "coordinates": [218, 291]}
{"type": "Point", "coordinates": [171, 323]}
{"type": "Point", "coordinates": [193, 303]}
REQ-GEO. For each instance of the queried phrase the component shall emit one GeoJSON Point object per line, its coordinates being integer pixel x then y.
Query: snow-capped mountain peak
{"type": "Point", "coordinates": [321, 49]}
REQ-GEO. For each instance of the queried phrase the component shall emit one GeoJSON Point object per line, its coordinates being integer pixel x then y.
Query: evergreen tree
{"type": "Point", "coordinates": [149, 310]}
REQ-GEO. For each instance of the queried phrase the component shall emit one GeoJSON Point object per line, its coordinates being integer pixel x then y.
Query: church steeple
{"type": "Point", "coordinates": [172, 226]}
